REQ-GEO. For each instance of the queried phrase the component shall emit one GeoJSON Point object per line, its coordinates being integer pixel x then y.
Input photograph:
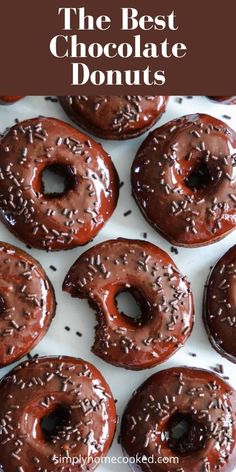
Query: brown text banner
{"type": "Point", "coordinates": [117, 47]}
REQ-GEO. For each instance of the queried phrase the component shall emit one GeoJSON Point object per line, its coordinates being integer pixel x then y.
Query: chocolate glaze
{"type": "Point", "coordinates": [55, 222]}
{"type": "Point", "coordinates": [227, 100]}
{"type": "Point", "coordinates": [27, 303]}
{"type": "Point", "coordinates": [184, 180]}
{"type": "Point", "coordinates": [114, 117]}
{"type": "Point", "coordinates": [203, 401]}
{"type": "Point", "coordinates": [76, 394]}
{"type": "Point", "coordinates": [163, 294]}
{"type": "Point", "coordinates": [8, 99]}
{"type": "Point", "coordinates": [220, 305]}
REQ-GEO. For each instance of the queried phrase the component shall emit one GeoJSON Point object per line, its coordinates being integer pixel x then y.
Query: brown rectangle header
{"type": "Point", "coordinates": [74, 47]}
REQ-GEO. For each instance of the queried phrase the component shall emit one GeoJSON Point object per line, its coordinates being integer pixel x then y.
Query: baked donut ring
{"type": "Point", "coordinates": [9, 99]}
{"type": "Point", "coordinates": [114, 117]}
{"type": "Point", "coordinates": [219, 312]}
{"type": "Point", "coordinates": [181, 420]}
{"type": "Point", "coordinates": [55, 221]}
{"type": "Point", "coordinates": [227, 100]}
{"type": "Point", "coordinates": [53, 409]}
{"type": "Point", "coordinates": [27, 303]}
{"type": "Point", "coordinates": [164, 296]}
{"type": "Point", "coordinates": [184, 180]}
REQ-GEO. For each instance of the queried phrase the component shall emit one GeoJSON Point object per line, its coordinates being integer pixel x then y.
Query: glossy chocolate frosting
{"type": "Point", "coordinates": [114, 117]}
{"type": "Point", "coordinates": [27, 303]}
{"type": "Point", "coordinates": [53, 408]}
{"type": "Point", "coordinates": [198, 400]}
{"type": "Point", "coordinates": [184, 180]}
{"type": "Point", "coordinates": [162, 292]}
{"type": "Point", "coordinates": [220, 305]}
{"type": "Point", "coordinates": [8, 99]}
{"type": "Point", "coordinates": [63, 221]}
{"type": "Point", "coordinates": [231, 100]}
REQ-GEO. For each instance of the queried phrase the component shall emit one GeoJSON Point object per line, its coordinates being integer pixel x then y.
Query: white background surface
{"type": "Point", "coordinates": [76, 314]}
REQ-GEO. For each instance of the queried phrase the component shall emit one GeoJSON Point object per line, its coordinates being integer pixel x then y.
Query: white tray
{"type": "Point", "coordinates": [75, 314]}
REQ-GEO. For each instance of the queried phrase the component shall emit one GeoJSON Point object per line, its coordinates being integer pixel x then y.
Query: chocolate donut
{"type": "Point", "coordinates": [8, 99]}
{"type": "Point", "coordinates": [227, 100]}
{"type": "Point", "coordinates": [163, 294]}
{"type": "Point", "coordinates": [114, 117]}
{"type": "Point", "coordinates": [219, 312]}
{"type": "Point", "coordinates": [181, 420]}
{"type": "Point", "coordinates": [27, 303]}
{"type": "Point", "coordinates": [55, 409]}
{"type": "Point", "coordinates": [55, 221]}
{"type": "Point", "coordinates": [184, 180]}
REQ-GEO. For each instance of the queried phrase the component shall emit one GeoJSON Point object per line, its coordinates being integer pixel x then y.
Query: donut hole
{"type": "Point", "coordinates": [199, 177]}
{"type": "Point", "coordinates": [131, 305]}
{"type": "Point", "coordinates": [53, 424]}
{"type": "Point", "coordinates": [57, 180]}
{"type": "Point", "coordinates": [2, 305]}
{"type": "Point", "coordinates": [185, 434]}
